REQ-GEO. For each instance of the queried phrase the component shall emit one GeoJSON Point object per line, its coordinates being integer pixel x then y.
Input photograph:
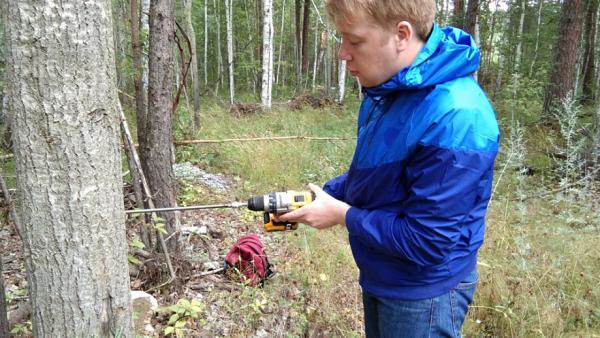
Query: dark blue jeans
{"type": "Point", "coordinates": [440, 316]}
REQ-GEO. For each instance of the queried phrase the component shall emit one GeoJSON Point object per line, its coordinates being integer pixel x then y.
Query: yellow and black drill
{"type": "Point", "coordinates": [277, 203]}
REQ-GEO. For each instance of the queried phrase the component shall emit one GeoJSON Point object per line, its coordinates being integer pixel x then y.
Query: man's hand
{"type": "Point", "coordinates": [324, 212]}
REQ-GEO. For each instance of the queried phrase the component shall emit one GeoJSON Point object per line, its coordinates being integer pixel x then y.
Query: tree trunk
{"type": "Point", "coordinates": [205, 44]}
{"type": "Point", "coordinates": [187, 5]}
{"type": "Point", "coordinates": [259, 47]}
{"type": "Point", "coordinates": [305, 25]}
{"type": "Point", "coordinates": [4, 328]}
{"type": "Point", "coordinates": [229, 22]}
{"type": "Point", "coordinates": [316, 58]}
{"type": "Point", "coordinates": [341, 81]}
{"type": "Point", "coordinates": [298, 44]}
{"type": "Point", "coordinates": [458, 19]}
{"type": "Point", "coordinates": [589, 66]}
{"type": "Point", "coordinates": [327, 70]}
{"type": "Point", "coordinates": [562, 76]}
{"type": "Point", "coordinates": [144, 32]}
{"type": "Point", "coordinates": [156, 150]}
{"type": "Point", "coordinates": [537, 37]}
{"type": "Point", "coordinates": [281, 35]}
{"type": "Point", "coordinates": [219, 53]}
{"type": "Point", "coordinates": [518, 53]}
{"type": "Point", "coordinates": [472, 18]}
{"type": "Point", "coordinates": [140, 105]}
{"type": "Point", "coordinates": [267, 53]}
{"type": "Point", "coordinates": [61, 85]}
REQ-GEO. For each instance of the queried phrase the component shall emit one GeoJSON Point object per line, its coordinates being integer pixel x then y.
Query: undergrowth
{"type": "Point", "coordinates": [538, 269]}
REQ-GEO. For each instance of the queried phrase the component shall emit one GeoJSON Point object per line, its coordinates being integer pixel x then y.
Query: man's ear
{"type": "Point", "coordinates": [404, 34]}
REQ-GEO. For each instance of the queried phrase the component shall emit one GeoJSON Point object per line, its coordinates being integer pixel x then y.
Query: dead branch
{"type": "Point", "coordinates": [206, 273]}
{"type": "Point", "coordinates": [146, 188]}
{"type": "Point", "coordinates": [272, 138]}
{"type": "Point", "coordinates": [185, 66]}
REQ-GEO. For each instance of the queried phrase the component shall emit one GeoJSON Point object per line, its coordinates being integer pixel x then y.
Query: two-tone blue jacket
{"type": "Point", "coordinates": [421, 176]}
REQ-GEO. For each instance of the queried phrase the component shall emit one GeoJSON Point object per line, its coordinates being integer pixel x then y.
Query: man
{"type": "Point", "coordinates": [415, 195]}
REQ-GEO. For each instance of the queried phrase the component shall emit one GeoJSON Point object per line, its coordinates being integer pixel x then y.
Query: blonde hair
{"type": "Point", "coordinates": [385, 13]}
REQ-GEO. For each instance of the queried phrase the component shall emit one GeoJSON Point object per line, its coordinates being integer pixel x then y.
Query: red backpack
{"type": "Point", "coordinates": [248, 256]}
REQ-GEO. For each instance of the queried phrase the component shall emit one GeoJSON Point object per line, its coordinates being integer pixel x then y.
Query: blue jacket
{"type": "Point", "coordinates": [421, 176]}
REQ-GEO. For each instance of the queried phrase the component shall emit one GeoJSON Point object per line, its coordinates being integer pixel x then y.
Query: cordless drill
{"type": "Point", "coordinates": [278, 203]}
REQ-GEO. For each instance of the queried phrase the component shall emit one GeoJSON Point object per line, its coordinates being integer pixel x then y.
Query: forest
{"type": "Point", "coordinates": [112, 106]}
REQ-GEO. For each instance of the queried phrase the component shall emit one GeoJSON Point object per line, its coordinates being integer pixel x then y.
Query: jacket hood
{"type": "Point", "coordinates": [448, 54]}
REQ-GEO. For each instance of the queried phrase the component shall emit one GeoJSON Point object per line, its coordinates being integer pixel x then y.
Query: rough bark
{"type": "Point", "coordinates": [589, 59]}
{"type": "Point", "coordinates": [156, 149]}
{"type": "Point", "coordinates": [458, 14]}
{"type": "Point", "coordinates": [63, 96]}
{"type": "Point", "coordinates": [267, 53]}
{"type": "Point", "coordinates": [140, 106]}
{"type": "Point", "coordinates": [189, 30]}
{"type": "Point", "coordinates": [136, 50]}
{"type": "Point", "coordinates": [472, 18]}
{"type": "Point", "coordinates": [562, 76]}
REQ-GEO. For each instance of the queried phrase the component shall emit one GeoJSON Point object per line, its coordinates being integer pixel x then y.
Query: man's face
{"type": "Point", "coordinates": [371, 52]}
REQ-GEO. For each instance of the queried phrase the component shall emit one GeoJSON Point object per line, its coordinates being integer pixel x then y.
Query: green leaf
{"type": "Point", "coordinates": [173, 319]}
{"type": "Point", "coordinates": [168, 330]}
{"type": "Point", "coordinates": [184, 303]}
{"type": "Point", "coordinates": [133, 260]}
{"type": "Point", "coordinates": [136, 243]}
{"type": "Point", "coordinates": [180, 324]}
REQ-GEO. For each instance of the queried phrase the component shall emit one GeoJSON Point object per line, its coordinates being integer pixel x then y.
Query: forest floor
{"type": "Point", "coordinates": [281, 308]}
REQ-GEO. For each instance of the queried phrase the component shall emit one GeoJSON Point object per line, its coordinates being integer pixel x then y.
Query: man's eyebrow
{"type": "Point", "coordinates": [351, 35]}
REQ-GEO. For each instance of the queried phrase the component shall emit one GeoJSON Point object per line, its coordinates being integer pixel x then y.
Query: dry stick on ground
{"type": "Point", "coordinates": [273, 138]}
{"type": "Point", "coordinates": [129, 144]}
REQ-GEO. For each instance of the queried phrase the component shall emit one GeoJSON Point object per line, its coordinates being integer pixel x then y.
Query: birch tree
{"type": "Point", "coordinates": [267, 54]}
{"type": "Point", "coordinates": [341, 80]}
{"type": "Point", "coordinates": [144, 34]}
{"type": "Point", "coordinates": [62, 98]}
{"type": "Point", "coordinates": [229, 23]}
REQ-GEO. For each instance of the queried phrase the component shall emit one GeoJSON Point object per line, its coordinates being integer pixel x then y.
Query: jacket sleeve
{"type": "Point", "coordinates": [336, 186]}
{"type": "Point", "coordinates": [445, 189]}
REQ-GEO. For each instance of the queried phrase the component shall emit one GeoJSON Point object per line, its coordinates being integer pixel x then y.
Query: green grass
{"type": "Point", "coordinates": [539, 271]}
{"type": "Point", "coordinates": [274, 165]}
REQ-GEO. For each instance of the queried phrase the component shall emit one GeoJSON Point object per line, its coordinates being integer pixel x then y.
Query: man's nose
{"type": "Point", "coordinates": [343, 54]}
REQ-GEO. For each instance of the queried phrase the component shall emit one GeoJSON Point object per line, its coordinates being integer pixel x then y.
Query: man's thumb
{"type": "Point", "coordinates": [316, 189]}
